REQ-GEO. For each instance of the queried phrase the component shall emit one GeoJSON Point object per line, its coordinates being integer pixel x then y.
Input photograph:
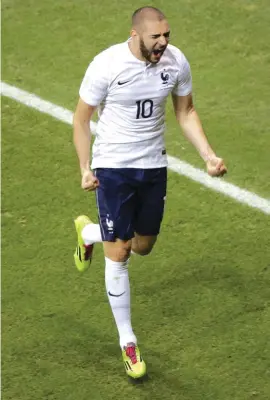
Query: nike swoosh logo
{"type": "Point", "coordinates": [122, 83]}
{"type": "Point", "coordinates": [116, 295]}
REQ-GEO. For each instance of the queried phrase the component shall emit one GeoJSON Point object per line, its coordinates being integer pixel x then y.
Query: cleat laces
{"type": "Point", "coordinates": [131, 353]}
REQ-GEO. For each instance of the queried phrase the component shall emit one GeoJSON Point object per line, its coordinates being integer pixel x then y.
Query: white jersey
{"type": "Point", "coordinates": [131, 96]}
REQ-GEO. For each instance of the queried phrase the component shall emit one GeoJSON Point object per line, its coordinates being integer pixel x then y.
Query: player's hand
{"type": "Point", "coordinates": [89, 181]}
{"type": "Point", "coordinates": [215, 166]}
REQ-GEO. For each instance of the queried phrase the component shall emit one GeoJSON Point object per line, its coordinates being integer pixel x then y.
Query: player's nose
{"type": "Point", "coordinates": [162, 41]}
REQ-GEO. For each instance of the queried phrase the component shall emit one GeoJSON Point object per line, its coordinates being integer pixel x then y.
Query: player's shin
{"type": "Point", "coordinates": [118, 291]}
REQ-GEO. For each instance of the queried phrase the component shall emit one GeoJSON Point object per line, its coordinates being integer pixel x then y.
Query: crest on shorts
{"type": "Point", "coordinates": [109, 224]}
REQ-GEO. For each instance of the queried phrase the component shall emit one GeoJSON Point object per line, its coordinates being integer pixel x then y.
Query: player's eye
{"type": "Point", "coordinates": [167, 34]}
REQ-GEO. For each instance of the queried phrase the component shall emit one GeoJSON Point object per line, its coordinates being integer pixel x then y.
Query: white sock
{"type": "Point", "coordinates": [118, 291]}
{"type": "Point", "coordinates": [91, 234]}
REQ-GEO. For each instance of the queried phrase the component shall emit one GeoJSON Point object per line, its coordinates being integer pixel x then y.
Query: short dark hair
{"type": "Point", "coordinates": [146, 12]}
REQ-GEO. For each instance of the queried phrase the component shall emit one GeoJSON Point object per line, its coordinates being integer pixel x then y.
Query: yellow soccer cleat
{"type": "Point", "coordinates": [83, 253]}
{"type": "Point", "coordinates": [134, 364]}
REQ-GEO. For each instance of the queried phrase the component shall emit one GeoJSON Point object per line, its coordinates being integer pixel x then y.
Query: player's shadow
{"type": "Point", "coordinates": [140, 381]}
{"type": "Point", "coordinates": [82, 345]}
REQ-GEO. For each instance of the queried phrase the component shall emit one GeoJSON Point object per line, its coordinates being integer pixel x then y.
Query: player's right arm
{"type": "Point", "coordinates": [82, 142]}
{"type": "Point", "coordinates": [93, 90]}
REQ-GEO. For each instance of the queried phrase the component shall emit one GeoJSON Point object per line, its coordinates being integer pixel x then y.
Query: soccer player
{"type": "Point", "coordinates": [130, 83]}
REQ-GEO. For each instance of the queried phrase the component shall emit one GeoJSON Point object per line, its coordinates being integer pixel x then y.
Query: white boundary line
{"type": "Point", "coordinates": [176, 165]}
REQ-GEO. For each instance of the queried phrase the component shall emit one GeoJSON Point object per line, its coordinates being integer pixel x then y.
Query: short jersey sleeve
{"type": "Point", "coordinates": [95, 83]}
{"type": "Point", "coordinates": [183, 86]}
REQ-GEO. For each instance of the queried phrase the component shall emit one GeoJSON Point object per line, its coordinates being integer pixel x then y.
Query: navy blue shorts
{"type": "Point", "coordinates": [130, 200]}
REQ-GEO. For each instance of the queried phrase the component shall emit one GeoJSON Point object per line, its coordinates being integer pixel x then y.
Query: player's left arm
{"type": "Point", "coordinates": [190, 123]}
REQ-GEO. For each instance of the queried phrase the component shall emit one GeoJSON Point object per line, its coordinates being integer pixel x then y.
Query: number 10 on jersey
{"type": "Point", "coordinates": [144, 108]}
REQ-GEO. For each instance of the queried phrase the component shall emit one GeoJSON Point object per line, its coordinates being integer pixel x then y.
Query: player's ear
{"type": "Point", "coordinates": [133, 33]}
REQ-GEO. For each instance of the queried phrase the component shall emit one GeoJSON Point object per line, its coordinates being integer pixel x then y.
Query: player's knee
{"type": "Point", "coordinates": [118, 251]}
{"type": "Point", "coordinates": [143, 251]}
{"type": "Point", "coordinates": [122, 254]}
{"type": "Point", "coordinates": [143, 245]}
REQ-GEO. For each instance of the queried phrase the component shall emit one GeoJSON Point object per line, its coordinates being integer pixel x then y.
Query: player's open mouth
{"type": "Point", "coordinates": [158, 51]}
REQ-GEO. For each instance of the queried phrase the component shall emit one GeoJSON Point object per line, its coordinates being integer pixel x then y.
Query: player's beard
{"type": "Point", "coordinates": [144, 51]}
{"type": "Point", "coordinates": [147, 53]}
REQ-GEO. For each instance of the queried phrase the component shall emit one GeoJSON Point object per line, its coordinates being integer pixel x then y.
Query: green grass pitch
{"type": "Point", "coordinates": [200, 301]}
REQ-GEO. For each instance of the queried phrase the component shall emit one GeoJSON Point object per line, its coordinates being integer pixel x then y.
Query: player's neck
{"type": "Point", "coordinates": [135, 50]}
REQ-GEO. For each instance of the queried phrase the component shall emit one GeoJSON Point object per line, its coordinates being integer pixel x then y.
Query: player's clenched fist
{"type": "Point", "coordinates": [215, 166]}
{"type": "Point", "coordinates": [89, 181]}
